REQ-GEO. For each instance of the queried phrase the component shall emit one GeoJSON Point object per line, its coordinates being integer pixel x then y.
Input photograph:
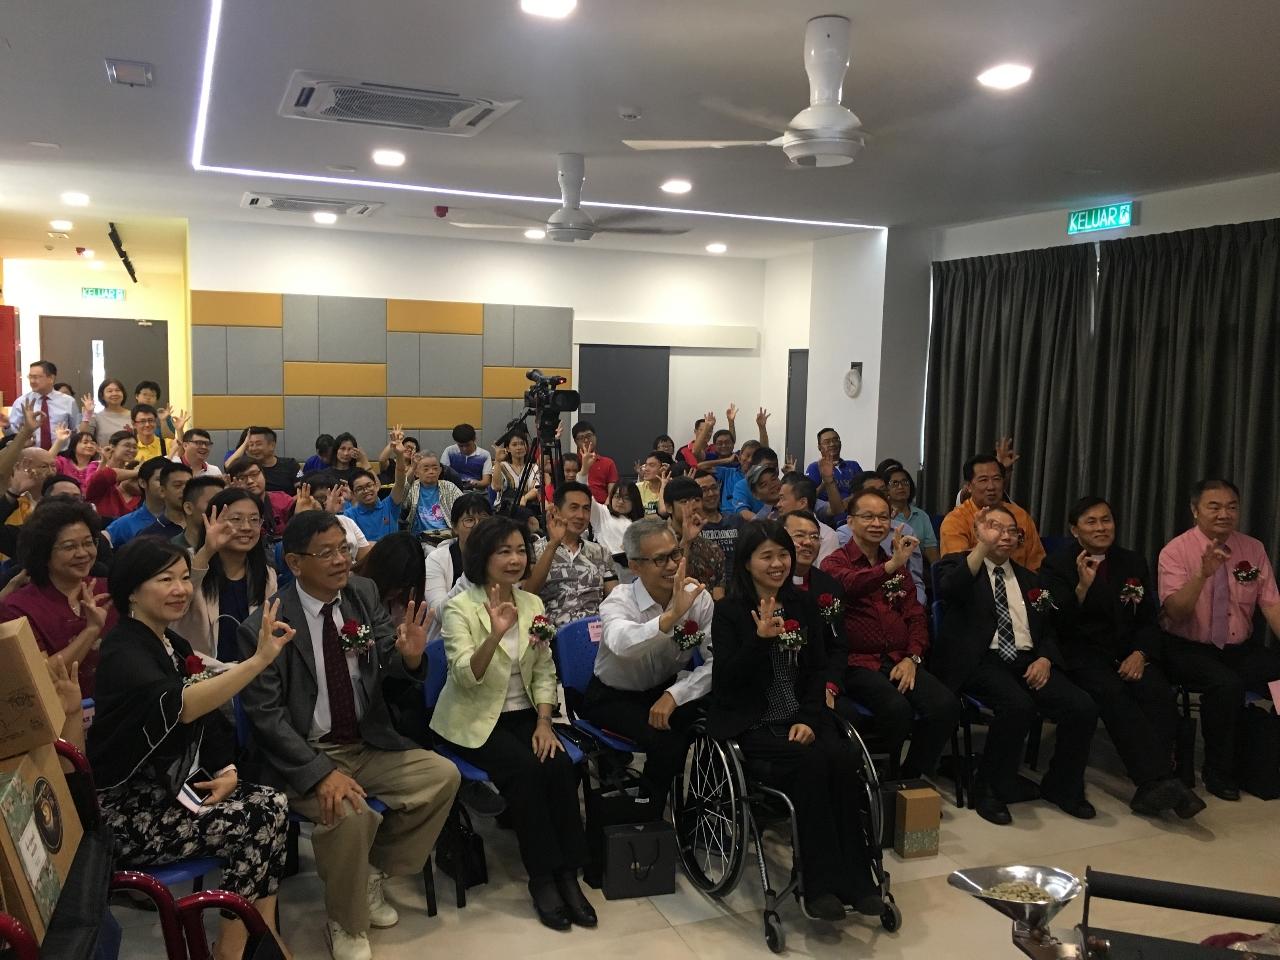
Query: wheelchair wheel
{"type": "Point", "coordinates": [773, 934]}
{"type": "Point", "coordinates": [891, 918]}
{"type": "Point", "coordinates": [709, 807]}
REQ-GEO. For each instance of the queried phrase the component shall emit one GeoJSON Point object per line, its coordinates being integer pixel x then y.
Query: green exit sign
{"type": "Point", "coordinates": [1113, 216]}
{"type": "Point", "coordinates": [101, 293]}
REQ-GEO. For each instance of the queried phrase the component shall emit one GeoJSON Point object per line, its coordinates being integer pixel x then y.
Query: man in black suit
{"type": "Point", "coordinates": [321, 724]}
{"type": "Point", "coordinates": [1112, 644]}
{"type": "Point", "coordinates": [997, 645]}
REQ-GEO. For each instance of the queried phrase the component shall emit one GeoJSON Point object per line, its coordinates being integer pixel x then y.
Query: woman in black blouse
{"type": "Point", "coordinates": [156, 727]}
{"type": "Point", "coordinates": [767, 691]}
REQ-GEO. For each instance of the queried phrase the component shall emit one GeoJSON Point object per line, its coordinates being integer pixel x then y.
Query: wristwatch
{"type": "Point", "coordinates": [915, 658]}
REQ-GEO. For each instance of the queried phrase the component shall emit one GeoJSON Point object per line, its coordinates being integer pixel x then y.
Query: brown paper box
{"type": "Point", "coordinates": [919, 814]}
{"type": "Point", "coordinates": [31, 714]}
{"type": "Point", "coordinates": [39, 835]}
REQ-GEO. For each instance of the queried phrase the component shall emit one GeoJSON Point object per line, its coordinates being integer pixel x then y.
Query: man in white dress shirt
{"type": "Point", "coordinates": [59, 409]}
{"type": "Point", "coordinates": [645, 686]}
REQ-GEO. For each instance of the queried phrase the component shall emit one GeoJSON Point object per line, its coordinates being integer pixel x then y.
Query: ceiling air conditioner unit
{"type": "Point", "coordinates": [312, 96]}
{"type": "Point", "coordinates": [282, 203]}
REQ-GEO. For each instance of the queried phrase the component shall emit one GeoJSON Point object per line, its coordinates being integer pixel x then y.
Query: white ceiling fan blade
{"type": "Point", "coordinates": [485, 226]}
{"type": "Point", "coordinates": [645, 231]}
{"type": "Point", "coordinates": [692, 144]}
{"type": "Point", "coordinates": [754, 116]}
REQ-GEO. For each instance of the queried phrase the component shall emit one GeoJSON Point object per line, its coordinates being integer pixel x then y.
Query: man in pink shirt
{"type": "Point", "coordinates": [1212, 579]}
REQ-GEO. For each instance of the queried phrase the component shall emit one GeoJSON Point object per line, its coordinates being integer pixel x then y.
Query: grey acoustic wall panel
{"type": "Point", "coordinates": [208, 360]}
{"type": "Point", "coordinates": [402, 365]}
{"type": "Point", "coordinates": [219, 447]}
{"type": "Point", "coordinates": [366, 417]}
{"type": "Point", "coordinates": [254, 361]}
{"type": "Point", "coordinates": [301, 327]}
{"type": "Point", "coordinates": [499, 334]}
{"type": "Point", "coordinates": [353, 329]}
{"type": "Point", "coordinates": [451, 365]}
{"type": "Point", "coordinates": [543, 337]}
{"type": "Point", "coordinates": [433, 440]}
{"type": "Point", "coordinates": [496, 415]}
{"type": "Point", "coordinates": [302, 421]}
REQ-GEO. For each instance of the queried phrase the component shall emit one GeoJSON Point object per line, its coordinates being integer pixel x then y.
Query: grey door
{"type": "Point", "coordinates": [132, 350]}
{"type": "Point", "coordinates": [624, 395]}
{"type": "Point", "coordinates": [797, 392]}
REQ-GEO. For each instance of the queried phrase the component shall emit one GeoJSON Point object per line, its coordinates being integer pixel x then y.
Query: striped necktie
{"type": "Point", "coordinates": [1005, 645]}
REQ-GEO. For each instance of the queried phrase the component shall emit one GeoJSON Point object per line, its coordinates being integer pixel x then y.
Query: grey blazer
{"type": "Point", "coordinates": [280, 701]}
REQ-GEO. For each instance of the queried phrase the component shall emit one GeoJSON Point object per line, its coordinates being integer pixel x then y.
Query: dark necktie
{"type": "Point", "coordinates": [343, 727]}
{"type": "Point", "coordinates": [1005, 645]}
{"type": "Point", "coordinates": [46, 433]}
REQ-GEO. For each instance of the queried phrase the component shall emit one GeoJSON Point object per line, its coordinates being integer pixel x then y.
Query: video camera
{"type": "Point", "coordinates": [543, 395]}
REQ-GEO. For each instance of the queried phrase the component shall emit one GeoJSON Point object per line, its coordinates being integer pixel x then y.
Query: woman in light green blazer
{"type": "Point", "coordinates": [495, 711]}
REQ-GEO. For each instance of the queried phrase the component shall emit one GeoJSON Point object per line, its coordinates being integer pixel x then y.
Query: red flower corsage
{"type": "Point", "coordinates": [828, 606]}
{"type": "Point", "coordinates": [1246, 572]}
{"type": "Point", "coordinates": [895, 589]}
{"type": "Point", "coordinates": [196, 670]}
{"type": "Point", "coordinates": [541, 631]}
{"type": "Point", "coordinates": [687, 635]}
{"type": "Point", "coordinates": [1132, 591]}
{"type": "Point", "coordinates": [1040, 599]}
{"type": "Point", "coordinates": [355, 637]}
{"type": "Point", "coordinates": [792, 637]}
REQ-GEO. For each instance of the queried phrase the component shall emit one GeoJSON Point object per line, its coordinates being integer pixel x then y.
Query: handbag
{"type": "Point", "coordinates": [620, 801]}
{"type": "Point", "coordinates": [460, 850]}
{"type": "Point", "coordinates": [639, 860]}
{"type": "Point", "coordinates": [1258, 755]}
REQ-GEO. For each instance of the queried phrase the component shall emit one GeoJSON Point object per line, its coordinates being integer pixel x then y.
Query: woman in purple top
{"type": "Point", "coordinates": [66, 607]}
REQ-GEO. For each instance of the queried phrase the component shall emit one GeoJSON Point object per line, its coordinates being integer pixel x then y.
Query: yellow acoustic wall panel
{"type": "Point", "coordinates": [510, 382]}
{"type": "Point", "coordinates": [236, 413]}
{"type": "Point", "coordinates": [433, 413]}
{"type": "Point", "coordinates": [435, 316]}
{"type": "Point", "coordinates": [221, 308]}
{"type": "Point", "coordinates": [304, 378]}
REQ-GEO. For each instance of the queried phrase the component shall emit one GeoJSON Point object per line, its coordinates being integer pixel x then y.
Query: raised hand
{"type": "Point", "coordinates": [336, 495]}
{"type": "Point", "coordinates": [163, 413]}
{"type": "Point", "coordinates": [87, 404]}
{"type": "Point", "coordinates": [180, 420]}
{"type": "Point", "coordinates": [502, 613]}
{"type": "Point", "coordinates": [217, 532]}
{"type": "Point", "coordinates": [93, 607]}
{"type": "Point", "coordinates": [903, 546]}
{"type": "Point", "coordinates": [789, 465]}
{"type": "Point", "coordinates": [732, 413]}
{"type": "Point", "coordinates": [709, 419]}
{"type": "Point", "coordinates": [693, 522]}
{"type": "Point", "coordinates": [1005, 452]}
{"type": "Point", "coordinates": [587, 455]}
{"type": "Point", "coordinates": [682, 597]}
{"type": "Point", "coordinates": [1087, 568]}
{"type": "Point", "coordinates": [274, 634]}
{"type": "Point", "coordinates": [62, 433]}
{"type": "Point", "coordinates": [1214, 556]}
{"type": "Point", "coordinates": [556, 526]}
{"type": "Point", "coordinates": [499, 453]}
{"type": "Point", "coordinates": [32, 417]}
{"type": "Point", "coordinates": [987, 529]}
{"type": "Point", "coordinates": [66, 681]}
{"type": "Point", "coordinates": [768, 618]}
{"type": "Point", "coordinates": [762, 418]}
{"type": "Point", "coordinates": [411, 635]}
{"type": "Point", "coordinates": [397, 436]}
{"type": "Point", "coordinates": [305, 501]}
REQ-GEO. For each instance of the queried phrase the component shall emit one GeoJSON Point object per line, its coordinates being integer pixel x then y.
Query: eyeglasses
{"type": "Point", "coordinates": [200, 443]}
{"type": "Point", "coordinates": [1005, 531]}
{"type": "Point", "coordinates": [249, 522]}
{"type": "Point", "coordinates": [468, 520]}
{"type": "Point", "coordinates": [365, 488]}
{"type": "Point", "coordinates": [900, 483]}
{"type": "Point", "coordinates": [872, 517]}
{"type": "Point", "coordinates": [326, 556]}
{"type": "Point", "coordinates": [145, 422]}
{"type": "Point", "coordinates": [72, 546]}
{"type": "Point", "coordinates": [807, 537]}
{"type": "Point", "coordinates": [663, 559]}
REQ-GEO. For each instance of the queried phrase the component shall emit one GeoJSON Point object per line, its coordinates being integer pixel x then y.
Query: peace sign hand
{"type": "Point", "coordinates": [769, 620]}
{"type": "Point", "coordinates": [411, 635]}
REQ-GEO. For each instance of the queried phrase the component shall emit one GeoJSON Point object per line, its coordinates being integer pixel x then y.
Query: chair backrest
{"type": "Point", "coordinates": [437, 672]}
{"type": "Point", "coordinates": [937, 618]}
{"type": "Point", "coordinates": [576, 653]}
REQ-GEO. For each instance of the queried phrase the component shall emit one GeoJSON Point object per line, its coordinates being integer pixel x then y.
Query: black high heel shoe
{"type": "Point", "coordinates": [575, 901]}
{"type": "Point", "coordinates": [549, 904]}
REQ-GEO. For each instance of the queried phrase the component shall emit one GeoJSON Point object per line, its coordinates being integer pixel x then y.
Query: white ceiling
{"type": "Point", "coordinates": [1128, 98]}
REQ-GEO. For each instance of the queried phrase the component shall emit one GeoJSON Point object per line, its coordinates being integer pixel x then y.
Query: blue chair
{"type": "Point", "coordinates": [575, 661]}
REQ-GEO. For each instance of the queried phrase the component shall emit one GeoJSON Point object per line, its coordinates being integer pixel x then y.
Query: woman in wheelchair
{"type": "Point", "coordinates": [767, 692]}
{"type": "Point", "coordinates": [495, 711]}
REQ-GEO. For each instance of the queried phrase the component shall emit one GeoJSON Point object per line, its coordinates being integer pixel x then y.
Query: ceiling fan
{"type": "Point", "coordinates": [570, 222]}
{"type": "Point", "coordinates": [824, 134]}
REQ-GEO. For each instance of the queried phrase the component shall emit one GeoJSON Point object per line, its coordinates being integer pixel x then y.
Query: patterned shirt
{"type": "Point", "coordinates": [878, 629]}
{"type": "Point", "coordinates": [782, 703]}
{"type": "Point", "coordinates": [725, 536]}
{"type": "Point", "coordinates": [575, 582]}
{"type": "Point", "coordinates": [704, 562]}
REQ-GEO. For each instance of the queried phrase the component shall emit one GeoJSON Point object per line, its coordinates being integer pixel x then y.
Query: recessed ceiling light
{"type": "Point", "coordinates": [74, 198]}
{"type": "Point", "coordinates": [54, 235]}
{"type": "Point", "coordinates": [86, 253]}
{"type": "Point", "coordinates": [533, 233]}
{"type": "Point", "coordinates": [1005, 76]}
{"type": "Point", "coordinates": [130, 73]}
{"type": "Point", "coordinates": [676, 185]}
{"type": "Point", "coordinates": [388, 158]}
{"type": "Point", "coordinates": [717, 247]}
{"type": "Point", "coordinates": [44, 144]}
{"type": "Point", "coordinates": [97, 265]}
{"type": "Point", "coordinates": [62, 226]}
{"type": "Point", "coordinates": [555, 9]}
{"type": "Point", "coordinates": [324, 216]}
{"type": "Point", "coordinates": [341, 168]}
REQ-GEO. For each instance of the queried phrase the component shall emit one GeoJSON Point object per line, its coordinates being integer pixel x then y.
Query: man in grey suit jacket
{"type": "Point", "coordinates": [323, 729]}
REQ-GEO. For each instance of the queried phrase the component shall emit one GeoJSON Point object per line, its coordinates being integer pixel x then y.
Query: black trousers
{"type": "Point", "coordinates": [1000, 686]}
{"type": "Point", "coordinates": [626, 712]}
{"type": "Point", "coordinates": [1221, 677]}
{"type": "Point", "coordinates": [1140, 715]}
{"type": "Point", "coordinates": [927, 713]}
{"type": "Point", "coordinates": [823, 781]}
{"type": "Point", "coordinates": [542, 796]}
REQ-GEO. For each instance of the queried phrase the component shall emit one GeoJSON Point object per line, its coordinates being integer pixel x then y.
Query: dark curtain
{"type": "Point", "coordinates": [1185, 383]}
{"type": "Point", "coordinates": [1009, 338]}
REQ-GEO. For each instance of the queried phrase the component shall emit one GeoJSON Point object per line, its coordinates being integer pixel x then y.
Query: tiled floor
{"type": "Point", "coordinates": [1230, 845]}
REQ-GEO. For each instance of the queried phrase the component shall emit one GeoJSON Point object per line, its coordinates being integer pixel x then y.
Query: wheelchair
{"type": "Point", "coordinates": [718, 810]}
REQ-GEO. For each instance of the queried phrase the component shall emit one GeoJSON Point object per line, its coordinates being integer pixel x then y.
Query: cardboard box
{"type": "Point", "coordinates": [919, 815]}
{"type": "Point", "coordinates": [889, 790]}
{"type": "Point", "coordinates": [39, 834]}
{"type": "Point", "coordinates": [31, 714]}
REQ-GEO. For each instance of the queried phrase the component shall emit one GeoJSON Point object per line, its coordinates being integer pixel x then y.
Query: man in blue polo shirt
{"type": "Point", "coordinates": [160, 515]}
{"type": "Point", "coordinates": [378, 517]}
{"type": "Point", "coordinates": [467, 459]}
{"type": "Point", "coordinates": [832, 476]}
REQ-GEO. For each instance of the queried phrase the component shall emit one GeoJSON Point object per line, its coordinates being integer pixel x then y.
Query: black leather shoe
{"type": "Point", "coordinates": [575, 901]}
{"type": "Point", "coordinates": [549, 904]}
{"type": "Point", "coordinates": [993, 811]}
{"type": "Point", "coordinates": [1024, 789]}
{"type": "Point", "coordinates": [1152, 799]}
{"type": "Point", "coordinates": [1081, 809]}
{"type": "Point", "coordinates": [824, 906]}
{"type": "Point", "coordinates": [869, 905]}
{"type": "Point", "coordinates": [1189, 805]}
{"type": "Point", "coordinates": [1220, 786]}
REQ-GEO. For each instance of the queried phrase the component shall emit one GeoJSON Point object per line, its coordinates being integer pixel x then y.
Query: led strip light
{"type": "Point", "coordinates": [202, 121]}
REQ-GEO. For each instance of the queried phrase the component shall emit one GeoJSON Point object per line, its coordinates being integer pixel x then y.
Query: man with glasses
{"type": "Point", "coordinates": [1212, 580]}
{"type": "Point", "coordinates": [721, 528]}
{"type": "Point", "coordinates": [194, 452]}
{"type": "Point", "coordinates": [888, 637]}
{"type": "Point", "coordinates": [281, 473]}
{"type": "Point", "coordinates": [984, 477]}
{"type": "Point", "coordinates": [997, 643]}
{"type": "Point", "coordinates": [243, 472]}
{"type": "Point", "coordinates": [603, 472]}
{"type": "Point", "coordinates": [645, 686]}
{"type": "Point", "coordinates": [160, 515]}
{"type": "Point", "coordinates": [798, 493]}
{"type": "Point", "coordinates": [145, 420]}
{"type": "Point", "coordinates": [832, 475]}
{"type": "Point", "coordinates": [59, 410]}
{"type": "Point", "coordinates": [374, 516]}
{"type": "Point", "coordinates": [324, 731]}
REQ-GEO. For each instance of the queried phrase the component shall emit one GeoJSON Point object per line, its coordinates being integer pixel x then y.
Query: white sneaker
{"type": "Point", "coordinates": [346, 946]}
{"type": "Point", "coordinates": [381, 913]}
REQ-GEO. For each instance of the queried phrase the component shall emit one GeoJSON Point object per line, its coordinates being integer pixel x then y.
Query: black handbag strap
{"type": "Point", "coordinates": [638, 870]}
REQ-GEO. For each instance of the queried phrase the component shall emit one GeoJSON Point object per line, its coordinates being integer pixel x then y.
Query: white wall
{"type": "Point", "coordinates": [1232, 201]}
{"type": "Point", "coordinates": [607, 289]}
{"type": "Point", "coordinates": [905, 349]}
{"type": "Point", "coordinates": [788, 283]}
{"type": "Point", "coordinates": [846, 317]}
